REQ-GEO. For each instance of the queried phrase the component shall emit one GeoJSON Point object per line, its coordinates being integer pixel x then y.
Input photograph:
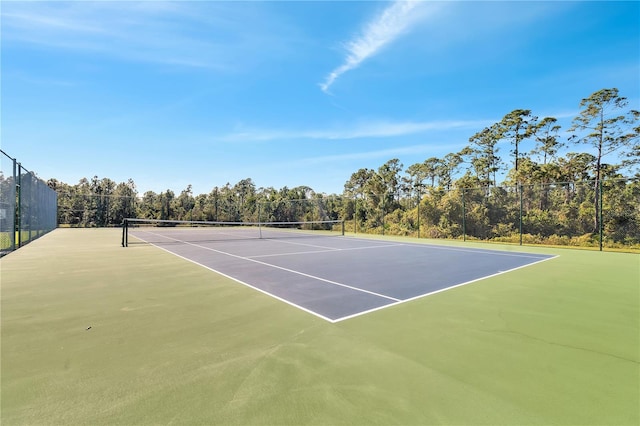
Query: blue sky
{"type": "Point", "coordinates": [294, 92]}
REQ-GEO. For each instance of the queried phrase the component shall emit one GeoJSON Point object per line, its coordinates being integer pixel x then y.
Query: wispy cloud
{"type": "Point", "coordinates": [382, 30]}
{"type": "Point", "coordinates": [378, 129]}
{"type": "Point", "coordinates": [380, 153]}
{"type": "Point", "coordinates": [173, 33]}
{"type": "Point", "coordinates": [40, 81]}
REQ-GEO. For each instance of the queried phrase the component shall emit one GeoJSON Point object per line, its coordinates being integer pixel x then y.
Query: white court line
{"type": "Point", "coordinates": [279, 267]}
{"type": "Point", "coordinates": [300, 244]}
{"type": "Point", "coordinates": [466, 250]}
{"type": "Point", "coordinates": [277, 240]}
{"type": "Point", "coordinates": [322, 251]}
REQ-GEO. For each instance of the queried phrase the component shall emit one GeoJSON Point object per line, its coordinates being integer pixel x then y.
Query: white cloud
{"type": "Point", "coordinates": [186, 34]}
{"type": "Point", "coordinates": [384, 29]}
{"type": "Point", "coordinates": [381, 153]}
{"type": "Point", "coordinates": [378, 129]}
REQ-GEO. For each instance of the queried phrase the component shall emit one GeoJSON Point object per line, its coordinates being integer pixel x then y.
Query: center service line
{"type": "Point", "coordinates": [321, 251]}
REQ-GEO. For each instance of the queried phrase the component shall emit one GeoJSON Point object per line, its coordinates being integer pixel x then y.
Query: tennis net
{"type": "Point", "coordinates": [157, 231]}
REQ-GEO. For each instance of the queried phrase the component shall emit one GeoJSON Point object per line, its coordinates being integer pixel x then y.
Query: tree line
{"type": "Point", "coordinates": [545, 196]}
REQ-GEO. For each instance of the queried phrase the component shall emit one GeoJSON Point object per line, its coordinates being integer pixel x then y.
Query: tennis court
{"type": "Point", "coordinates": [329, 275]}
{"type": "Point", "coordinates": [93, 333]}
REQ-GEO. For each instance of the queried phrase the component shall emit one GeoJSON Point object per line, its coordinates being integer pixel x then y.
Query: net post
{"type": "Point", "coordinates": [125, 226]}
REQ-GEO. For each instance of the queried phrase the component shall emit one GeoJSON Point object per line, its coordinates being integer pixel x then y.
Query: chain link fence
{"type": "Point", "coordinates": [604, 215]}
{"type": "Point", "coordinates": [28, 207]}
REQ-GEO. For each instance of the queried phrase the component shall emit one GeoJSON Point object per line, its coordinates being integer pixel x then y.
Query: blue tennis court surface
{"type": "Point", "coordinates": [337, 278]}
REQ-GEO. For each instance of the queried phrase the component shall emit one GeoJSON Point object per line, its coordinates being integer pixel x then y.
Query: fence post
{"type": "Point", "coordinates": [259, 211]}
{"type": "Point", "coordinates": [16, 209]}
{"type": "Point", "coordinates": [18, 230]}
{"type": "Point", "coordinates": [601, 226]}
{"type": "Point", "coordinates": [384, 200]}
{"type": "Point", "coordinates": [464, 221]}
{"type": "Point", "coordinates": [355, 214]}
{"type": "Point", "coordinates": [521, 191]}
{"type": "Point", "coordinates": [419, 212]}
